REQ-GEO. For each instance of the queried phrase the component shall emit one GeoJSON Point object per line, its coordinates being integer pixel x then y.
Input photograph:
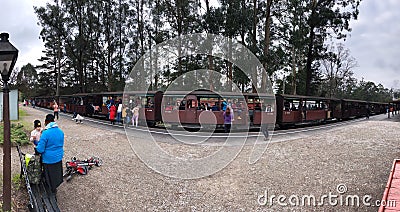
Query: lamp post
{"type": "Point", "coordinates": [8, 57]}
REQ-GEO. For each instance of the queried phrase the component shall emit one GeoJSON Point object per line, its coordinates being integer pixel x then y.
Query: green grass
{"type": "Point", "coordinates": [16, 181]}
{"type": "Point", "coordinates": [22, 112]}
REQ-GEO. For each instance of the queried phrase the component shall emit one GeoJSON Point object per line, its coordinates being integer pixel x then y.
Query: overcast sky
{"type": "Point", "coordinates": [374, 41]}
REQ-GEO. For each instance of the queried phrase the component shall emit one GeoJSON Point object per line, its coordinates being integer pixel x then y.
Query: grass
{"type": "Point", "coordinates": [19, 130]}
{"type": "Point", "coordinates": [16, 181]}
{"type": "Point", "coordinates": [22, 112]}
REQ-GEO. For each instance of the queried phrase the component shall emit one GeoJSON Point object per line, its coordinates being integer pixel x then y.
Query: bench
{"type": "Point", "coordinates": [40, 196]}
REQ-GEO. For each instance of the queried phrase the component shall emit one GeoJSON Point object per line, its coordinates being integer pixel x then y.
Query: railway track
{"type": "Point", "coordinates": [181, 132]}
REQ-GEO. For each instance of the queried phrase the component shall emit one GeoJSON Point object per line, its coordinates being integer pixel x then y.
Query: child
{"type": "Point", "coordinates": [228, 118]}
{"type": "Point", "coordinates": [135, 115]}
{"type": "Point", "coordinates": [35, 134]}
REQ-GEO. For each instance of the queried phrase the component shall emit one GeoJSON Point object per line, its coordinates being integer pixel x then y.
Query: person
{"type": "Point", "coordinates": [36, 132]}
{"type": "Point", "coordinates": [224, 105]}
{"type": "Point", "coordinates": [240, 109]}
{"type": "Point", "coordinates": [128, 115]}
{"type": "Point", "coordinates": [368, 112]}
{"type": "Point", "coordinates": [123, 114]}
{"type": "Point", "coordinates": [51, 146]}
{"type": "Point", "coordinates": [55, 106]}
{"type": "Point", "coordinates": [113, 111]}
{"type": "Point", "coordinates": [135, 116]}
{"type": "Point", "coordinates": [214, 107]}
{"type": "Point", "coordinates": [78, 118]}
{"type": "Point", "coordinates": [392, 110]}
{"type": "Point", "coordinates": [264, 130]}
{"type": "Point", "coordinates": [228, 118]}
{"type": "Point", "coordinates": [119, 111]}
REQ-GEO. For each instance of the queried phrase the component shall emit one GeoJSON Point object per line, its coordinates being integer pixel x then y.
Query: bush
{"type": "Point", "coordinates": [18, 134]}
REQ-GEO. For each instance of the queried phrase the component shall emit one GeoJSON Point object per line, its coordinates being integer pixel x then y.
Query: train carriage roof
{"type": "Point", "coordinates": [114, 93]}
{"type": "Point", "coordinates": [354, 100]}
{"type": "Point", "coordinates": [289, 96]}
{"type": "Point", "coordinates": [379, 103]}
{"type": "Point", "coordinates": [207, 93]}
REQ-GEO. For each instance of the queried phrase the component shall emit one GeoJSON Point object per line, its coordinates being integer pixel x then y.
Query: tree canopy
{"type": "Point", "coordinates": [92, 46]}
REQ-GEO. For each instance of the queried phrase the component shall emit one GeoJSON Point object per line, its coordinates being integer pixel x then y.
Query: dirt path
{"type": "Point", "coordinates": [357, 156]}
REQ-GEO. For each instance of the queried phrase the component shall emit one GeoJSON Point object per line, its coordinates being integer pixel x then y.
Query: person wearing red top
{"type": "Point", "coordinates": [113, 112]}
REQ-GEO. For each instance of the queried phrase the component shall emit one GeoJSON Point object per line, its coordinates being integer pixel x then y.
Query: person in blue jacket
{"type": "Point", "coordinates": [51, 146]}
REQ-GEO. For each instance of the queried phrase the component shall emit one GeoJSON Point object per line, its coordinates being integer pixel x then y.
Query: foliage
{"type": "Point", "coordinates": [18, 134]}
{"type": "Point", "coordinates": [92, 46]}
{"type": "Point", "coordinates": [16, 181]}
{"type": "Point", "coordinates": [26, 81]}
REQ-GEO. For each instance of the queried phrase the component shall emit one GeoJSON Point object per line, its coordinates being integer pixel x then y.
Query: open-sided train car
{"type": "Point", "coordinates": [395, 104]}
{"type": "Point", "coordinates": [88, 104]}
{"type": "Point", "coordinates": [44, 101]}
{"type": "Point", "coordinates": [353, 108]}
{"type": "Point", "coordinates": [377, 107]}
{"type": "Point", "coordinates": [149, 104]}
{"type": "Point", "coordinates": [296, 109]}
{"type": "Point", "coordinates": [204, 107]}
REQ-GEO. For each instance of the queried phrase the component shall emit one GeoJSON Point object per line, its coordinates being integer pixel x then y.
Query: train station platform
{"type": "Point", "coordinates": [392, 190]}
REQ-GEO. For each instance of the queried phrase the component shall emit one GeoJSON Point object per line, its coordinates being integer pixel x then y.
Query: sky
{"type": "Point", "coordinates": [374, 40]}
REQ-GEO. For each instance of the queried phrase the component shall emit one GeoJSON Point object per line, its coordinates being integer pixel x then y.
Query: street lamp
{"type": "Point", "coordinates": [8, 57]}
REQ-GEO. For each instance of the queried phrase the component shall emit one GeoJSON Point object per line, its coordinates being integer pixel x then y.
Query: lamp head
{"type": "Point", "coordinates": [8, 56]}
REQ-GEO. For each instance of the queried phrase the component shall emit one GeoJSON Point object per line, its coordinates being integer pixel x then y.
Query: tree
{"type": "Point", "coordinates": [27, 81]}
{"type": "Point", "coordinates": [326, 18]}
{"type": "Point", "coordinates": [337, 67]}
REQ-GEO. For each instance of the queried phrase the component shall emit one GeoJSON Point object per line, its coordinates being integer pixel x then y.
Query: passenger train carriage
{"type": "Point", "coordinates": [204, 107]}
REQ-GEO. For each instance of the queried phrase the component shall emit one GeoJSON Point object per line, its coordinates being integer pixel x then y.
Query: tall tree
{"type": "Point", "coordinates": [337, 68]}
{"type": "Point", "coordinates": [326, 18]}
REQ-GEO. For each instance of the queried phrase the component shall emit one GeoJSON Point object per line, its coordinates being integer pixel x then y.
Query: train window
{"type": "Point", "coordinates": [104, 100]}
{"type": "Point", "coordinates": [191, 103]}
{"type": "Point", "coordinates": [182, 105]}
{"type": "Point", "coordinates": [171, 103]}
{"type": "Point", "coordinates": [204, 103]}
{"type": "Point", "coordinates": [267, 105]}
{"type": "Point", "coordinates": [150, 102]}
{"type": "Point", "coordinates": [215, 106]}
{"type": "Point", "coordinates": [237, 104]}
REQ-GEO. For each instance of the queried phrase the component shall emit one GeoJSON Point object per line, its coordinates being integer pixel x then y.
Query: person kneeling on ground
{"type": "Point", "coordinates": [78, 118]}
{"type": "Point", "coordinates": [51, 146]}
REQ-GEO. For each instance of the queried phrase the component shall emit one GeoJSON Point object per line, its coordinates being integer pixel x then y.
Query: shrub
{"type": "Point", "coordinates": [18, 134]}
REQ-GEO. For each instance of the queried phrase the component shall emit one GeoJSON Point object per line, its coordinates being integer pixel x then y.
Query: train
{"type": "Point", "coordinates": [205, 108]}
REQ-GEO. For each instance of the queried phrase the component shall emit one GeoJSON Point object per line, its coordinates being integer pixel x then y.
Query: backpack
{"type": "Point", "coordinates": [33, 168]}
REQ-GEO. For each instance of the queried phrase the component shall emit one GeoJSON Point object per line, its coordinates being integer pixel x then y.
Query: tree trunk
{"type": "Point", "coordinates": [210, 57]}
{"type": "Point", "coordinates": [309, 63]}
{"type": "Point", "coordinates": [267, 42]}
{"type": "Point", "coordinates": [293, 70]}
{"type": "Point", "coordinates": [310, 56]}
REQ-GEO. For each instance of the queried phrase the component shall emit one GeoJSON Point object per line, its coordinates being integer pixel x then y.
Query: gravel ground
{"type": "Point", "coordinates": [358, 156]}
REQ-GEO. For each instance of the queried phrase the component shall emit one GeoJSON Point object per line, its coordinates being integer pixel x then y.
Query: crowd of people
{"type": "Point", "coordinates": [123, 113]}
